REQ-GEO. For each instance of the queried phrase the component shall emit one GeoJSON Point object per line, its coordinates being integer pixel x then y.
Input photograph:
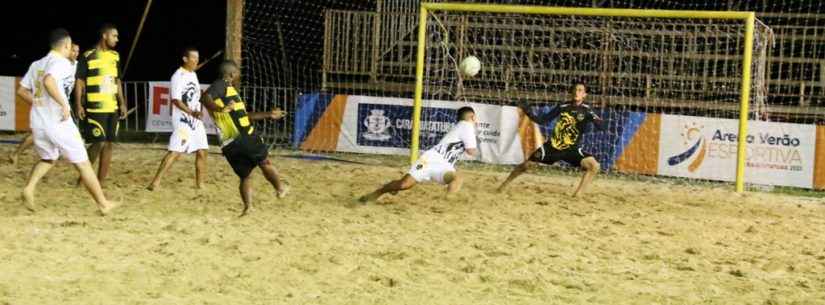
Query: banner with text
{"type": "Point", "coordinates": [705, 148]}
{"type": "Point", "coordinates": [159, 116]}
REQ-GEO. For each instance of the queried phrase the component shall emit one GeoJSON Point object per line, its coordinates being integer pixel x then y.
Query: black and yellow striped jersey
{"type": "Point", "coordinates": [101, 71]}
{"type": "Point", "coordinates": [234, 123]}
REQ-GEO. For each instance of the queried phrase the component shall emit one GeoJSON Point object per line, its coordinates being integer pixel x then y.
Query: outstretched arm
{"type": "Point", "coordinates": [275, 114]}
{"type": "Point", "coordinates": [540, 119]}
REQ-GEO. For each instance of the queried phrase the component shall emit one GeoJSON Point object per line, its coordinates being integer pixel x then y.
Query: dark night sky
{"type": "Point", "coordinates": [170, 26]}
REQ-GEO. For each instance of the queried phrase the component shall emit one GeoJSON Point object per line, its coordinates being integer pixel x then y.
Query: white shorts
{"type": "Point", "coordinates": [424, 170]}
{"type": "Point", "coordinates": [61, 139]}
{"type": "Point", "coordinates": [186, 140]}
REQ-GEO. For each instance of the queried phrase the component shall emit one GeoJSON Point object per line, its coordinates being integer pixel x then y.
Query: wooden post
{"type": "Point", "coordinates": [234, 30]}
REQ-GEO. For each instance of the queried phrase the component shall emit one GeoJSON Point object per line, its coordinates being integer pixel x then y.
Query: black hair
{"type": "Point", "coordinates": [105, 28]}
{"type": "Point", "coordinates": [462, 111]}
{"type": "Point", "coordinates": [57, 37]}
{"type": "Point", "coordinates": [186, 50]}
{"type": "Point", "coordinates": [226, 65]}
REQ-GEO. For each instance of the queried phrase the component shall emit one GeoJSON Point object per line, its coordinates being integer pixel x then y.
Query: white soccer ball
{"type": "Point", "coordinates": [470, 66]}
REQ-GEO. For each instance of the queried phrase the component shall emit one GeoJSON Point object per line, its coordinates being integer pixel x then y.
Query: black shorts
{"type": "Point", "coordinates": [548, 155]}
{"type": "Point", "coordinates": [245, 153]}
{"type": "Point", "coordinates": [100, 127]}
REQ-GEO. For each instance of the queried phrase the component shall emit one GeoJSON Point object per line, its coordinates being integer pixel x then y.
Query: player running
{"type": "Point", "coordinates": [241, 145]}
{"type": "Point", "coordinates": [54, 132]}
{"type": "Point", "coordinates": [189, 133]}
{"type": "Point", "coordinates": [563, 145]}
{"type": "Point", "coordinates": [438, 163]}
{"type": "Point", "coordinates": [28, 140]}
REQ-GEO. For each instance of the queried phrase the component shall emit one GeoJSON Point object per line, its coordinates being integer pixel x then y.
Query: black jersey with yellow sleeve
{"type": "Point", "coordinates": [572, 123]}
{"type": "Point", "coordinates": [234, 123]}
{"type": "Point", "coordinates": [100, 69]}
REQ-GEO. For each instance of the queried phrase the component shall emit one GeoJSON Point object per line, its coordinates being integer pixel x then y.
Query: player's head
{"type": "Point", "coordinates": [190, 58]}
{"type": "Point", "coordinates": [579, 91]}
{"type": "Point", "coordinates": [108, 35]}
{"type": "Point", "coordinates": [75, 52]}
{"type": "Point", "coordinates": [466, 114]}
{"type": "Point", "coordinates": [229, 70]}
{"type": "Point", "coordinates": [60, 41]}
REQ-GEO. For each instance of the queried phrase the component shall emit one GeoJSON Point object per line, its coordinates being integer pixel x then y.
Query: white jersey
{"type": "Point", "coordinates": [450, 149]}
{"type": "Point", "coordinates": [46, 112]}
{"type": "Point", "coordinates": [186, 88]}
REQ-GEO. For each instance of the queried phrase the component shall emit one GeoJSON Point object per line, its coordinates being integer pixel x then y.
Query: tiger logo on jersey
{"type": "Point", "coordinates": [565, 133]}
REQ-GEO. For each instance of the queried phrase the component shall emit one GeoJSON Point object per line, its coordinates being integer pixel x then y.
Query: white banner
{"type": "Point", "coordinates": [7, 98]}
{"type": "Point", "coordinates": [705, 148]}
{"type": "Point", "coordinates": [159, 116]}
{"type": "Point", "coordinates": [384, 125]}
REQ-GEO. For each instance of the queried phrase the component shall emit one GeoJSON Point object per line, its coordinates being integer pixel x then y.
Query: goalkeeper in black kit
{"type": "Point", "coordinates": [573, 119]}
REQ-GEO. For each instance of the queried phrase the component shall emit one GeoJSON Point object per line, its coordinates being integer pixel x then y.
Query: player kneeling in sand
{"type": "Point", "coordinates": [45, 86]}
{"type": "Point", "coordinates": [438, 163]}
{"type": "Point", "coordinates": [240, 144]}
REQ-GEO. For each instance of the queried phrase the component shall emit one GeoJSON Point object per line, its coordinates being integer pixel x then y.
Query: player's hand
{"type": "Point", "coordinates": [81, 113]}
{"type": "Point", "coordinates": [123, 112]}
{"type": "Point", "coordinates": [67, 113]}
{"type": "Point", "coordinates": [197, 114]}
{"type": "Point", "coordinates": [277, 113]}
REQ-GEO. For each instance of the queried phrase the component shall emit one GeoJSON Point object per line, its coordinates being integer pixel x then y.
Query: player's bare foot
{"type": "Point", "coordinates": [368, 198]}
{"type": "Point", "coordinates": [13, 159]}
{"type": "Point", "coordinates": [27, 197]}
{"type": "Point", "coordinates": [108, 207]}
{"type": "Point", "coordinates": [152, 187]}
{"type": "Point", "coordinates": [247, 209]}
{"type": "Point", "coordinates": [282, 193]}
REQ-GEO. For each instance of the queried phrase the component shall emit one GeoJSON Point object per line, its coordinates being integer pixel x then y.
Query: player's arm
{"type": "Point", "coordinates": [540, 119]}
{"type": "Point", "coordinates": [468, 138]}
{"type": "Point", "coordinates": [176, 95]}
{"type": "Point", "coordinates": [183, 107]}
{"type": "Point", "coordinates": [51, 88]}
{"type": "Point", "coordinates": [26, 94]}
{"type": "Point", "coordinates": [216, 90]}
{"type": "Point", "coordinates": [80, 86]}
{"type": "Point", "coordinates": [121, 101]}
{"type": "Point", "coordinates": [275, 114]}
{"type": "Point", "coordinates": [597, 121]}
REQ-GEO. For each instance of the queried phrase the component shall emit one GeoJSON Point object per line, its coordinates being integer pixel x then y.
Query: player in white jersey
{"type": "Point", "coordinates": [189, 133]}
{"type": "Point", "coordinates": [28, 140]}
{"type": "Point", "coordinates": [55, 134]}
{"type": "Point", "coordinates": [438, 163]}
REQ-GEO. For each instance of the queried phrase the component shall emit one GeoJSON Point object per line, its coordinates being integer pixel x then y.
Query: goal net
{"type": "Point", "coordinates": [670, 89]}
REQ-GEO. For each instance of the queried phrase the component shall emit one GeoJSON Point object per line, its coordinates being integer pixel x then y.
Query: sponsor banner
{"type": "Point", "coordinates": [7, 103]}
{"type": "Point", "coordinates": [384, 126]}
{"type": "Point", "coordinates": [159, 116]}
{"type": "Point", "coordinates": [705, 148]}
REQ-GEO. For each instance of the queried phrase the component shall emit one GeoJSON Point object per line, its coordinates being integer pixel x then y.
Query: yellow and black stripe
{"type": "Point", "coordinates": [101, 71]}
{"type": "Point", "coordinates": [236, 122]}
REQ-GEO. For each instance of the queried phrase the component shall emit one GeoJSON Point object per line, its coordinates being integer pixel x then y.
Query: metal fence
{"type": "Point", "coordinates": [277, 133]}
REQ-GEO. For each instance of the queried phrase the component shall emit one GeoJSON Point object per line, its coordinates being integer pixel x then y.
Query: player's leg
{"type": "Point", "coordinates": [68, 140]}
{"type": "Point", "coordinates": [111, 127]}
{"type": "Point", "coordinates": [165, 164]}
{"type": "Point", "coordinates": [38, 171]}
{"type": "Point", "coordinates": [591, 168]}
{"type": "Point", "coordinates": [48, 152]}
{"type": "Point", "coordinates": [517, 171]}
{"type": "Point", "coordinates": [27, 142]}
{"type": "Point", "coordinates": [246, 195]}
{"type": "Point", "coordinates": [272, 176]}
{"type": "Point", "coordinates": [200, 168]}
{"type": "Point", "coordinates": [405, 183]}
{"type": "Point", "coordinates": [94, 134]}
{"type": "Point", "coordinates": [453, 181]}
{"type": "Point", "coordinates": [89, 180]}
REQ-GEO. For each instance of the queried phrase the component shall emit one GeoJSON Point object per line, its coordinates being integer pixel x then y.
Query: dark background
{"type": "Point", "coordinates": [170, 26]}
